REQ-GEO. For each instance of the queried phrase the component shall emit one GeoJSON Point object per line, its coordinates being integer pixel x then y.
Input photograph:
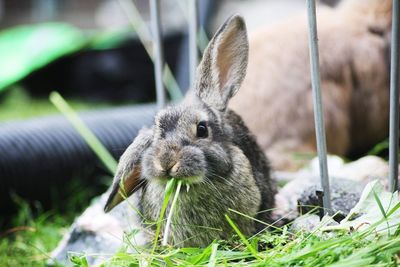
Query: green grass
{"type": "Point", "coordinates": [277, 248]}
{"type": "Point", "coordinates": [344, 246]}
{"type": "Point", "coordinates": [16, 103]}
{"type": "Point", "coordinates": [32, 236]}
{"type": "Point", "coordinates": [33, 233]}
{"type": "Point", "coordinates": [326, 246]}
{"type": "Point", "coordinates": [31, 240]}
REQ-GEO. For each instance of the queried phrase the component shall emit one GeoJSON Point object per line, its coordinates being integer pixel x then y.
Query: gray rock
{"type": "Point", "coordinates": [347, 182]}
{"type": "Point", "coordinates": [309, 223]}
{"type": "Point", "coordinates": [306, 223]}
{"type": "Point", "coordinates": [99, 235]}
{"type": "Point", "coordinates": [344, 196]}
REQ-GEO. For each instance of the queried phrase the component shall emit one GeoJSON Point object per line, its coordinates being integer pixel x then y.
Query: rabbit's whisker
{"type": "Point", "coordinates": [227, 181]}
{"type": "Point", "coordinates": [212, 185]}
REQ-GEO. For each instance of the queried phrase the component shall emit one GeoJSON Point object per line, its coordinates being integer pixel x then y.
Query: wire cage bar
{"type": "Point", "coordinates": [157, 52]}
{"type": "Point", "coordinates": [394, 101]}
{"type": "Point", "coordinates": [317, 103]}
{"type": "Point", "coordinates": [193, 30]}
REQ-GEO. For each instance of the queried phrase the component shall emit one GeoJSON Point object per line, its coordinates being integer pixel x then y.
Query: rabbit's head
{"type": "Point", "coordinates": [189, 141]}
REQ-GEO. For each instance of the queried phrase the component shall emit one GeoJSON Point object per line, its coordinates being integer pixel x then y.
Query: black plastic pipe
{"type": "Point", "coordinates": [44, 152]}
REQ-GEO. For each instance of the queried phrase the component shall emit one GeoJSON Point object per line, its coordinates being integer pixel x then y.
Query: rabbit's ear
{"type": "Point", "coordinates": [128, 177]}
{"type": "Point", "coordinates": [224, 64]}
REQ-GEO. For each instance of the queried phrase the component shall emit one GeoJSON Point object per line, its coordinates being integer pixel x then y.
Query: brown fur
{"type": "Point", "coordinates": [275, 100]}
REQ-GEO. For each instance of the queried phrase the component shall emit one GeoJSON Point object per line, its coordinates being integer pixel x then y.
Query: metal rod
{"type": "Point", "coordinates": [144, 35]}
{"type": "Point", "coordinates": [44, 10]}
{"type": "Point", "coordinates": [394, 100]}
{"type": "Point", "coordinates": [317, 103]}
{"type": "Point", "coordinates": [202, 38]}
{"type": "Point", "coordinates": [193, 30]}
{"type": "Point", "coordinates": [157, 52]}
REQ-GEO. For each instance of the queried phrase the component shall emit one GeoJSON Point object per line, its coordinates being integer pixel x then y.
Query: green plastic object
{"type": "Point", "coordinates": [24, 49]}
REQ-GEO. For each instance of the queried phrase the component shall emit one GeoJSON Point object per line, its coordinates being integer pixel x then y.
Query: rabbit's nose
{"type": "Point", "coordinates": [168, 166]}
{"type": "Point", "coordinates": [167, 160]}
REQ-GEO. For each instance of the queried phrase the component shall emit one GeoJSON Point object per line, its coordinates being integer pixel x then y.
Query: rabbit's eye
{"type": "Point", "coordinates": [202, 131]}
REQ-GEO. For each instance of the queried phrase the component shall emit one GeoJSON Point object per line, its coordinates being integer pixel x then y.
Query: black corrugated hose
{"type": "Point", "coordinates": [39, 153]}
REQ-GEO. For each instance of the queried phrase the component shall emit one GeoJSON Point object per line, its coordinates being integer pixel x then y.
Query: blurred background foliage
{"type": "Point", "coordinates": [17, 103]}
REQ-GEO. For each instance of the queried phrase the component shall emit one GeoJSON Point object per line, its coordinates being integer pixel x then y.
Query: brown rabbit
{"type": "Point", "coordinates": [276, 102]}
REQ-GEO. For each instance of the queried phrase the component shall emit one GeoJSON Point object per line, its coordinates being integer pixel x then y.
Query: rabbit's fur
{"type": "Point", "coordinates": [223, 168]}
{"type": "Point", "coordinates": [276, 98]}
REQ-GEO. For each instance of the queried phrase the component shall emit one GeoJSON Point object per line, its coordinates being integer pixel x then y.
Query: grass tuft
{"type": "Point", "coordinates": [242, 237]}
{"type": "Point", "coordinates": [171, 212]}
{"type": "Point", "coordinates": [169, 188]}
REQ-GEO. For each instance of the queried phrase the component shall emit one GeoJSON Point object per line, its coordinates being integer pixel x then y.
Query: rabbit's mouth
{"type": "Point", "coordinates": [187, 165]}
{"type": "Point", "coordinates": [190, 180]}
{"type": "Point", "coordinates": [187, 180]}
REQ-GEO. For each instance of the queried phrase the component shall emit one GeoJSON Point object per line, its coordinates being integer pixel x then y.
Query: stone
{"type": "Point", "coordinates": [345, 194]}
{"type": "Point", "coordinates": [347, 181]}
{"type": "Point", "coordinates": [309, 223]}
{"type": "Point", "coordinates": [306, 223]}
{"type": "Point", "coordinates": [99, 235]}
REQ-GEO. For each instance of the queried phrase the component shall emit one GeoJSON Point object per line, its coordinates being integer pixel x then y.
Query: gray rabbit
{"type": "Point", "coordinates": [207, 147]}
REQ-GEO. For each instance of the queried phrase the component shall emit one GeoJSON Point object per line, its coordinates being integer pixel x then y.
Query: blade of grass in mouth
{"type": "Point", "coordinates": [169, 189]}
{"type": "Point", "coordinates": [171, 211]}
